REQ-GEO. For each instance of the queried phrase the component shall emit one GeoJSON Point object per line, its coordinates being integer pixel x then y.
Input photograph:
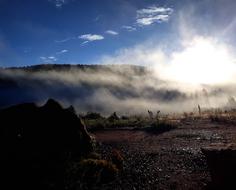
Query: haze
{"type": "Point", "coordinates": [186, 46]}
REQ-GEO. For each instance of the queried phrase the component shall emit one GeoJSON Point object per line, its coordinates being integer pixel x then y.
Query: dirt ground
{"type": "Point", "coordinates": [171, 160]}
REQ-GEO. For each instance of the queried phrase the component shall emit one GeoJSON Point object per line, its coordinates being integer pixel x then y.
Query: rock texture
{"type": "Point", "coordinates": [221, 160]}
{"type": "Point", "coordinates": [36, 144]}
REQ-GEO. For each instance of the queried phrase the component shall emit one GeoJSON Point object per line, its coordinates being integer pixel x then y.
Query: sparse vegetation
{"type": "Point", "coordinates": [160, 127]}
{"type": "Point", "coordinates": [117, 159]}
{"type": "Point", "coordinates": [94, 172]}
{"type": "Point", "coordinates": [104, 123]}
{"type": "Point", "coordinates": [92, 115]}
{"type": "Point", "coordinates": [113, 117]}
{"type": "Point", "coordinates": [223, 117]}
{"type": "Point", "coordinates": [87, 164]}
{"type": "Point", "coordinates": [158, 123]}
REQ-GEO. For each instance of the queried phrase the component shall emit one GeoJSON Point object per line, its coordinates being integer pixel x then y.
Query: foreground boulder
{"type": "Point", "coordinates": [36, 144]}
{"type": "Point", "coordinates": [221, 160]}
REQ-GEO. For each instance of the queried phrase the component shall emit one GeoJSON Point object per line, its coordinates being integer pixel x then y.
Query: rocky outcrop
{"type": "Point", "coordinates": [221, 160]}
{"type": "Point", "coordinates": [37, 142]}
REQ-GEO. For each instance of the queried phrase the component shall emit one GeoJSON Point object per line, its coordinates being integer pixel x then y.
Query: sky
{"type": "Point", "coordinates": [102, 31]}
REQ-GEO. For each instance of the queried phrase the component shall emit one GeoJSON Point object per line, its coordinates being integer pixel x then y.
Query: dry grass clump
{"type": "Point", "coordinates": [97, 171]}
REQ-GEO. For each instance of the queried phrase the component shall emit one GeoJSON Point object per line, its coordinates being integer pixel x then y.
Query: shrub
{"type": "Point", "coordinates": [113, 117]}
{"type": "Point", "coordinates": [93, 171]}
{"type": "Point", "coordinates": [93, 155]}
{"type": "Point", "coordinates": [160, 127]}
{"type": "Point", "coordinates": [95, 124]}
{"type": "Point", "coordinates": [92, 115]}
{"type": "Point", "coordinates": [219, 118]}
{"type": "Point", "coordinates": [185, 114]}
{"type": "Point", "coordinates": [124, 117]}
{"type": "Point", "coordinates": [117, 158]}
{"type": "Point", "coordinates": [214, 118]}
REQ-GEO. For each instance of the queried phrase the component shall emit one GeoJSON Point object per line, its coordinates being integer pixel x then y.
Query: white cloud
{"type": "Point", "coordinates": [90, 38]}
{"type": "Point", "coordinates": [49, 59]}
{"type": "Point", "coordinates": [202, 61]}
{"type": "Point", "coordinates": [112, 32]}
{"type": "Point", "coordinates": [152, 15]}
{"type": "Point", "coordinates": [59, 3]}
{"type": "Point", "coordinates": [62, 51]}
{"type": "Point", "coordinates": [85, 42]}
{"type": "Point", "coordinates": [150, 20]}
{"type": "Point", "coordinates": [129, 28]}
{"type": "Point", "coordinates": [63, 40]}
{"type": "Point", "coordinates": [97, 18]}
{"type": "Point", "coordinates": [154, 10]}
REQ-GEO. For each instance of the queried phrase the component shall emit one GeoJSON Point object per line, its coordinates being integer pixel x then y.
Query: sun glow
{"type": "Point", "coordinates": [203, 61]}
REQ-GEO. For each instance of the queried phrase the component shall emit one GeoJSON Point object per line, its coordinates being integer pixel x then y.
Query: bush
{"type": "Point", "coordinates": [214, 118]}
{"type": "Point", "coordinates": [93, 155]}
{"type": "Point", "coordinates": [160, 127]}
{"type": "Point", "coordinates": [92, 115]}
{"type": "Point", "coordinates": [219, 118]}
{"type": "Point", "coordinates": [95, 172]}
{"type": "Point", "coordinates": [113, 117]}
{"type": "Point", "coordinates": [123, 117]}
{"type": "Point", "coordinates": [117, 159]}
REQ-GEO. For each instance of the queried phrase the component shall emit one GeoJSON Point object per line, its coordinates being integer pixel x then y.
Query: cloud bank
{"type": "Point", "coordinates": [122, 88]}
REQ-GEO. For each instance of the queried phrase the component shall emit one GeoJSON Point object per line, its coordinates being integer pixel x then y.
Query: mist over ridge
{"type": "Point", "coordinates": [127, 89]}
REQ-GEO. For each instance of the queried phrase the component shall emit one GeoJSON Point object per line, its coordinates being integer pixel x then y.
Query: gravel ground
{"type": "Point", "coordinates": [171, 160]}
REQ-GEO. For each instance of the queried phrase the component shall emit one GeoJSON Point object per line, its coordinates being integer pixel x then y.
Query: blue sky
{"type": "Point", "coordinates": [83, 31]}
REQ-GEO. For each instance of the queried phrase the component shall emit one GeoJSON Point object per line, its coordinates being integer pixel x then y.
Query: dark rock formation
{"type": "Point", "coordinates": [36, 144]}
{"type": "Point", "coordinates": [221, 160]}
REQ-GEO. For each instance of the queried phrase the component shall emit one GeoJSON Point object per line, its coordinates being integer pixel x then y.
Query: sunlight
{"type": "Point", "coordinates": [203, 61]}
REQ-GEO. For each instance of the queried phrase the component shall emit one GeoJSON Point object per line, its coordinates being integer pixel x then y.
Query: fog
{"type": "Point", "coordinates": [195, 66]}
{"type": "Point", "coordinates": [121, 88]}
